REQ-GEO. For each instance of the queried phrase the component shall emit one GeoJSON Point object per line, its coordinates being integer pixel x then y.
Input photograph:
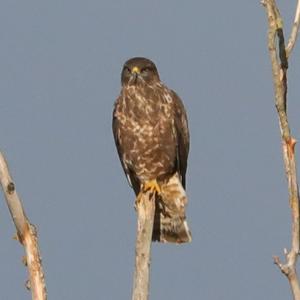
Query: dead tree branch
{"type": "Point", "coordinates": [279, 60]}
{"type": "Point", "coordinates": [26, 234]}
{"type": "Point", "coordinates": [295, 29]}
{"type": "Point", "coordinates": [145, 218]}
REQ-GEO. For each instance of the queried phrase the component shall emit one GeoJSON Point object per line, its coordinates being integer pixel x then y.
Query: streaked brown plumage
{"type": "Point", "coordinates": [152, 138]}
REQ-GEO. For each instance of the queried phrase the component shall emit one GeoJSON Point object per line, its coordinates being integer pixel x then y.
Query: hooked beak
{"type": "Point", "coordinates": [134, 74]}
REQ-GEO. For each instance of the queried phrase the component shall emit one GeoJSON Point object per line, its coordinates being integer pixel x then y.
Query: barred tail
{"type": "Point", "coordinates": [170, 223]}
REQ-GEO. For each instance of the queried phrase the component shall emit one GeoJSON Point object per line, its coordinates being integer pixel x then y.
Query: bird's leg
{"type": "Point", "coordinates": [151, 185]}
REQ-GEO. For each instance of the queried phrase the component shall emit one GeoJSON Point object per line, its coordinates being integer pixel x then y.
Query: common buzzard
{"type": "Point", "coordinates": [152, 138]}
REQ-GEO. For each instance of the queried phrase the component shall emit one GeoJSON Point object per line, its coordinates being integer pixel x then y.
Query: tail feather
{"type": "Point", "coordinates": [170, 223]}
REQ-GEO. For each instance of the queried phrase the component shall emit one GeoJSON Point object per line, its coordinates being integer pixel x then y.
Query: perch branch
{"type": "Point", "coordinates": [279, 70]}
{"type": "Point", "coordinates": [145, 218]}
{"type": "Point", "coordinates": [26, 234]}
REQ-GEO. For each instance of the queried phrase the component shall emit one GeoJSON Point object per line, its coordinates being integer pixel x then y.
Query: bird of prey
{"type": "Point", "coordinates": [152, 138]}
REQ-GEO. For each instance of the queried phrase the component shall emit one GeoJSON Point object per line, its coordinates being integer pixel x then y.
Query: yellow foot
{"type": "Point", "coordinates": [151, 185]}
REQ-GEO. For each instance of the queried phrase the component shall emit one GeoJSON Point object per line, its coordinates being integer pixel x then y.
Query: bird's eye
{"type": "Point", "coordinates": [146, 70]}
{"type": "Point", "coordinates": [126, 69]}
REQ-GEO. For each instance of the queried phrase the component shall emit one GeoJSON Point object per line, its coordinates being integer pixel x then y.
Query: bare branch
{"type": "Point", "coordinates": [145, 213]}
{"type": "Point", "coordinates": [294, 31]}
{"type": "Point", "coordinates": [279, 70]}
{"type": "Point", "coordinates": [26, 233]}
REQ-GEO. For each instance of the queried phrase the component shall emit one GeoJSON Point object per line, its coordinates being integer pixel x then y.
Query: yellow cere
{"type": "Point", "coordinates": [135, 70]}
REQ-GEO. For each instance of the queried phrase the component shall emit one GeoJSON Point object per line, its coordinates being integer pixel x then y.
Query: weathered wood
{"type": "Point", "coordinates": [145, 206]}
{"type": "Point", "coordinates": [279, 55]}
{"type": "Point", "coordinates": [26, 234]}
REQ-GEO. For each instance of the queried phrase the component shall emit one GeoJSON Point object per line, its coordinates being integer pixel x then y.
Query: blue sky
{"type": "Point", "coordinates": [60, 64]}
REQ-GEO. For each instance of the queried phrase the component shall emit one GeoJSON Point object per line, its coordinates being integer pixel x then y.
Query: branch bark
{"type": "Point", "coordinates": [26, 234]}
{"type": "Point", "coordinates": [145, 206]}
{"type": "Point", "coordinates": [279, 62]}
{"type": "Point", "coordinates": [295, 29]}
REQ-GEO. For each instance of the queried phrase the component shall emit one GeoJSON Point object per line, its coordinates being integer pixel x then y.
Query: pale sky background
{"type": "Point", "coordinates": [60, 64]}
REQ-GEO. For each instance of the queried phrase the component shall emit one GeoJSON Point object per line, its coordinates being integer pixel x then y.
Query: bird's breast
{"type": "Point", "coordinates": [146, 128]}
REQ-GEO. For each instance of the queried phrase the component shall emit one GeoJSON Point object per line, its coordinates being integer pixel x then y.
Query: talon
{"type": "Point", "coordinates": [151, 185]}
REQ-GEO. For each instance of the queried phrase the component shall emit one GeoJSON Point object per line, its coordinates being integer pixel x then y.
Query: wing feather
{"type": "Point", "coordinates": [182, 134]}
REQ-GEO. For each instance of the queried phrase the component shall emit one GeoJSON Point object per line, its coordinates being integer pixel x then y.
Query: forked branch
{"type": "Point", "coordinates": [279, 55]}
{"type": "Point", "coordinates": [26, 234]}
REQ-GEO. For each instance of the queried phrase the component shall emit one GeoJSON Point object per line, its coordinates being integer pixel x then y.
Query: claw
{"type": "Point", "coordinates": [151, 185]}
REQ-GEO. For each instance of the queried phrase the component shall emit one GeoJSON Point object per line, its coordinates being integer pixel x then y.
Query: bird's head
{"type": "Point", "coordinates": [139, 70]}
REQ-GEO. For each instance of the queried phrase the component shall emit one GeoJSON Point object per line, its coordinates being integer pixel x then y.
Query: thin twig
{"type": "Point", "coordinates": [145, 218]}
{"type": "Point", "coordinates": [279, 70]}
{"type": "Point", "coordinates": [294, 32]}
{"type": "Point", "coordinates": [26, 233]}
